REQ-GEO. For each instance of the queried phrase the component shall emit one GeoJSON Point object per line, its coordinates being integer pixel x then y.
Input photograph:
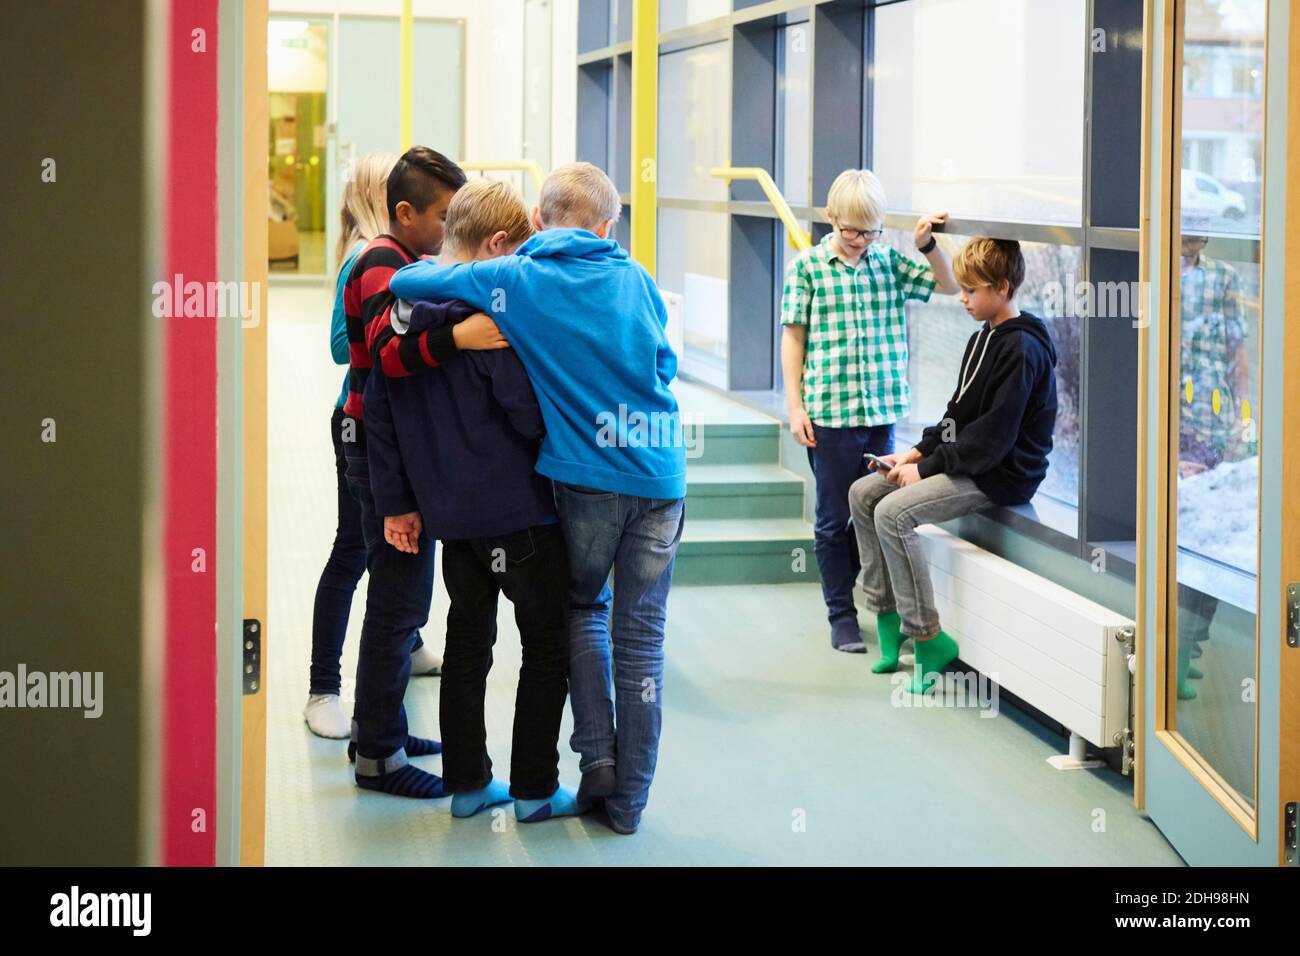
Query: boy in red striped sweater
{"type": "Point", "coordinates": [401, 585]}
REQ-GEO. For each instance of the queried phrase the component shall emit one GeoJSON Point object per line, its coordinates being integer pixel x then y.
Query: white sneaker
{"type": "Point", "coordinates": [425, 663]}
{"type": "Point", "coordinates": [325, 717]}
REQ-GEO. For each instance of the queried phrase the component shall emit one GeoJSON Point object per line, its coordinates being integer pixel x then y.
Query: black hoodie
{"type": "Point", "coordinates": [1002, 413]}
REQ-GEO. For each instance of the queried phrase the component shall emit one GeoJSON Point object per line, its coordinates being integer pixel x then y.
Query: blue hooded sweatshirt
{"type": "Point", "coordinates": [588, 324]}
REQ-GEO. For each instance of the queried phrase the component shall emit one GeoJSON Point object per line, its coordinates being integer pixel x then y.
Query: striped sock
{"type": "Point", "coordinates": [408, 781]}
{"type": "Point", "coordinates": [415, 747]}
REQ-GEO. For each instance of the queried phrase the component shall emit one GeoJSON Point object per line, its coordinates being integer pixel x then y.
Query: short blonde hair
{"type": "Point", "coordinates": [579, 196]}
{"type": "Point", "coordinates": [985, 262]}
{"type": "Point", "coordinates": [482, 208]}
{"type": "Point", "coordinates": [857, 198]}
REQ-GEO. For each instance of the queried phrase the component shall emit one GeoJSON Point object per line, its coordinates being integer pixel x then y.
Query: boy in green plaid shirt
{"type": "Point", "coordinates": [844, 358]}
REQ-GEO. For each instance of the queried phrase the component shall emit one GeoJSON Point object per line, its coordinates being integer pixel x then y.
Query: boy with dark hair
{"type": "Point", "coordinates": [401, 585]}
{"type": "Point", "coordinates": [990, 448]}
{"type": "Point", "coordinates": [452, 458]}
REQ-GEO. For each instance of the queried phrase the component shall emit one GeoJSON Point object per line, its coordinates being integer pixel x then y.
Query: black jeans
{"type": "Point", "coordinates": [531, 568]}
{"type": "Point", "coordinates": [338, 582]}
{"type": "Point", "coordinates": [397, 606]}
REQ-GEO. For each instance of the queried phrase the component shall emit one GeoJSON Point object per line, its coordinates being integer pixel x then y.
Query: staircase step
{"type": "Point", "coordinates": [734, 444]}
{"type": "Point", "coordinates": [745, 551]}
{"type": "Point", "coordinates": [743, 491]}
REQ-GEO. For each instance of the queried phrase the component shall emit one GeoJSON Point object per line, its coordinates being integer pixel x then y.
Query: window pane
{"type": "Point", "coordinates": [694, 121]}
{"type": "Point", "coordinates": [978, 107]}
{"type": "Point", "coordinates": [682, 13]}
{"type": "Point", "coordinates": [794, 112]}
{"type": "Point", "coordinates": [937, 333]}
{"type": "Point", "coordinates": [693, 265]}
{"type": "Point", "coordinates": [1217, 381]}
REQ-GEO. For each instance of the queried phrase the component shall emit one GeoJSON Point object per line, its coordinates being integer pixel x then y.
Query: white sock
{"type": "Point", "coordinates": [425, 662]}
{"type": "Point", "coordinates": [325, 717]}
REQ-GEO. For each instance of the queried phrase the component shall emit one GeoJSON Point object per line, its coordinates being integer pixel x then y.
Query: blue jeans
{"type": "Point", "coordinates": [837, 463]}
{"type": "Point", "coordinates": [397, 606]}
{"type": "Point", "coordinates": [616, 670]}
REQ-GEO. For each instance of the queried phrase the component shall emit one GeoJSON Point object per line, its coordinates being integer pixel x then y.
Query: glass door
{"type": "Point", "coordinates": [1210, 763]}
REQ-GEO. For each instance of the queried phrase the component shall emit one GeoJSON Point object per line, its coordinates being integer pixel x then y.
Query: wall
{"type": "Point", "coordinates": [74, 509]}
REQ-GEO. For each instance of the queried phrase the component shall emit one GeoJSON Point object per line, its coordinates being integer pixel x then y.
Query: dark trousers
{"type": "Point", "coordinates": [837, 463]}
{"type": "Point", "coordinates": [530, 567]}
{"type": "Point", "coordinates": [397, 606]}
{"type": "Point", "coordinates": [338, 582]}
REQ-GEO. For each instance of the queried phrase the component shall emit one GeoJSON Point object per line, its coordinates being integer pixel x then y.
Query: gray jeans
{"type": "Point", "coordinates": [895, 571]}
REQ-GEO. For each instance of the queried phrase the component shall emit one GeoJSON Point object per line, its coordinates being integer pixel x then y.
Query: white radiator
{"type": "Point", "coordinates": [1057, 651]}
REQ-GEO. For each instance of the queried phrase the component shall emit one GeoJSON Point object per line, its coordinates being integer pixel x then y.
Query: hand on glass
{"type": "Point", "coordinates": [925, 227]}
{"type": "Point", "coordinates": [1188, 468]}
{"type": "Point", "coordinates": [403, 532]}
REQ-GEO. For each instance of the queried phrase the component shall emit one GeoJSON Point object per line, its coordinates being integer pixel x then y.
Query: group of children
{"type": "Point", "coordinates": [476, 413]}
{"type": "Point", "coordinates": [493, 444]}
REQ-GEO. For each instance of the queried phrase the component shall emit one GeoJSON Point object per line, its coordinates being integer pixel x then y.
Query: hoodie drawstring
{"type": "Point", "coordinates": [967, 382]}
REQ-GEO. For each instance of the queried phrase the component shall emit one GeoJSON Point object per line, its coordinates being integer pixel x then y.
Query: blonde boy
{"type": "Point", "coordinates": [844, 359]}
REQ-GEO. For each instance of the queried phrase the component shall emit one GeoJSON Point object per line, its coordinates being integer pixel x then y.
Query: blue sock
{"type": "Point", "coordinates": [468, 804]}
{"type": "Point", "coordinates": [415, 747]}
{"type": "Point", "coordinates": [562, 803]}
{"type": "Point", "coordinates": [409, 781]}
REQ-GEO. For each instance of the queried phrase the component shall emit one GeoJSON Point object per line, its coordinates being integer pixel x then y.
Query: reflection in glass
{"type": "Point", "coordinates": [937, 333]}
{"type": "Point", "coordinates": [1212, 663]}
{"type": "Point", "coordinates": [694, 121]}
{"type": "Point", "coordinates": [297, 65]}
{"type": "Point", "coordinates": [692, 264]}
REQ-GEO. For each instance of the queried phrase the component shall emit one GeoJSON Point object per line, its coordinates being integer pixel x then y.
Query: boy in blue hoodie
{"type": "Point", "coordinates": [588, 324]}
{"type": "Point", "coordinates": [451, 459]}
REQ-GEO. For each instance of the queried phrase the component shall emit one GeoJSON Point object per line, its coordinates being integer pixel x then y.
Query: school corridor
{"type": "Point", "coordinates": [976, 319]}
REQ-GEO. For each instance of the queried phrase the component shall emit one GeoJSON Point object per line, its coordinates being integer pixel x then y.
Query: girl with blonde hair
{"type": "Point", "coordinates": [363, 215]}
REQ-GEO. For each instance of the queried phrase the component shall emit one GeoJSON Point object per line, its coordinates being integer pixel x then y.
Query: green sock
{"type": "Point", "coordinates": [932, 657]}
{"type": "Point", "coordinates": [1185, 690]}
{"type": "Point", "coordinates": [891, 639]}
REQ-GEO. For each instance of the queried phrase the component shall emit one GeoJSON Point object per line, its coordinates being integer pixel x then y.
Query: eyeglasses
{"type": "Point", "coordinates": [855, 234]}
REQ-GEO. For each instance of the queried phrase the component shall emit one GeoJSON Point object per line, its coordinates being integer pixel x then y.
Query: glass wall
{"type": "Point", "coordinates": [977, 135]}
{"type": "Point", "coordinates": [1217, 411]}
{"type": "Point", "coordinates": [1019, 118]}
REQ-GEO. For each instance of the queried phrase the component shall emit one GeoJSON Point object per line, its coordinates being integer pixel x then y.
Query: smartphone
{"type": "Point", "coordinates": [882, 466]}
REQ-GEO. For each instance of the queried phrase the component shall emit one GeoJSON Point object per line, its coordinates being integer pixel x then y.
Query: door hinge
{"type": "Point", "coordinates": [1289, 853]}
{"type": "Point", "coordinates": [1293, 615]}
{"type": "Point", "coordinates": [252, 656]}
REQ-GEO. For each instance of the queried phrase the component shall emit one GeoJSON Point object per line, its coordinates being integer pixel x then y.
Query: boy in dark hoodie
{"type": "Point", "coordinates": [452, 458]}
{"type": "Point", "coordinates": [990, 448]}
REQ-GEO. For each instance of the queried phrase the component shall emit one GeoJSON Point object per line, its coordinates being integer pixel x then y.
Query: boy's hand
{"type": "Point", "coordinates": [801, 426]}
{"type": "Point", "coordinates": [904, 475]}
{"type": "Point", "coordinates": [925, 227]}
{"type": "Point", "coordinates": [403, 532]}
{"type": "Point", "coordinates": [478, 333]}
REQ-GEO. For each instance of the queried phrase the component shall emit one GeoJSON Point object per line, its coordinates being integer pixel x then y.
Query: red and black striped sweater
{"type": "Point", "coordinates": [367, 302]}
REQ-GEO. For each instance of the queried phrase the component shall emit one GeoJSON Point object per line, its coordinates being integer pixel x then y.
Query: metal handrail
{"type": "Point", "coordinates": [798, 238]}
{"type": "Point", "coordinates": [530, 166]}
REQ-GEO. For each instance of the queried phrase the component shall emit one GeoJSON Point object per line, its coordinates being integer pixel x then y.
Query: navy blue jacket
{"type": "Point", "coordinates": [458, 443]}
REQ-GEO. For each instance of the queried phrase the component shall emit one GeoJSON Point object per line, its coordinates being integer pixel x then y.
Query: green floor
{"type": "Point", "coordinates": [775, 748]}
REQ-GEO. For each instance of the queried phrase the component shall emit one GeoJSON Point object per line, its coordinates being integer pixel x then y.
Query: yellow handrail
{"type": "Point", "coordinates": [798, 238]}
{"type": "Point", "coordinates": [530, 166]}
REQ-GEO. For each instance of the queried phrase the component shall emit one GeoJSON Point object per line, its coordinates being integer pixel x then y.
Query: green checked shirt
{"type": "Point", "coordinates": [855, 367]}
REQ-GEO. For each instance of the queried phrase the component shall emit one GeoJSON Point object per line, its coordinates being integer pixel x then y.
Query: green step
{"type": "Point", "coordinates": [733, 444]}
{"type": "Point", "coordinates": [745, 551]}
{"type": "Point", "coordinates": [743, 491]}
